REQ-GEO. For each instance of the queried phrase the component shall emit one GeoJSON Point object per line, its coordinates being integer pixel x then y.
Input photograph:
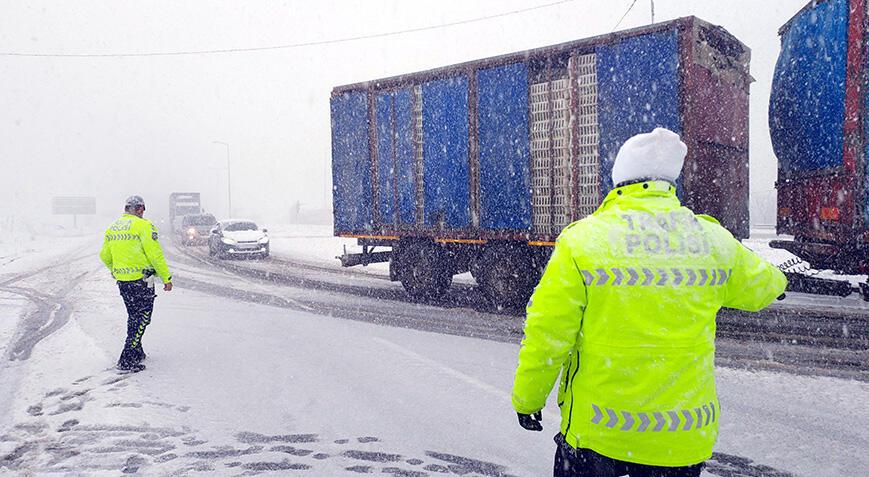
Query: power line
{"type": "Point", "coordinates": [290, 45]}
{"type": "Point", "coordinates": [625, 15]}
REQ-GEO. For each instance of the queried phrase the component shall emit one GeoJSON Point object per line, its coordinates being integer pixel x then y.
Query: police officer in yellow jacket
{"type": "Point", "coordinates": [625, 312]}
{"type": "Point", "coordinates": [133, 254]}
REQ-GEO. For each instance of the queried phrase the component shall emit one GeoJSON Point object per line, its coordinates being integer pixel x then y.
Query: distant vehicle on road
{"type": "Point", "coordinates": [238, 238]}
{"type": "Point", "coordinates": [181, 204]}
{"type": "Point", "coordinates": [196, 228]}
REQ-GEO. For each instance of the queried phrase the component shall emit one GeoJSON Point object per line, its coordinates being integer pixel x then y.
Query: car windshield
{"type": "Point", "coordinates": [239, 226]}
{"type": "Point", "coordinates": [200, 220]}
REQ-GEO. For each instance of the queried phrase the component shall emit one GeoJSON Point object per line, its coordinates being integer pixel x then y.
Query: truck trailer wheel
{"type": "Point", "coordinates": [506, 275]}
{"type": "Point", "coordinates": [423, 269]}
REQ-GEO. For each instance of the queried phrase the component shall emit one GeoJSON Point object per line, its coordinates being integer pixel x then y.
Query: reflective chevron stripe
{"type": "Point", "coordinates": [692, 277]}
{"type": "Point", "coordinates": [663, 274]}
{"type": "Point", "coordinates": [660, 422]}
{"type": "Point", "coordinates": [674, 421]}
{"type": "Point", "coordinates": [689, 420]}
{"type": "Point", "coordinates": [617, 272]}
{"type": "Point", "coordinates": [644, 421]}
{"type": "Point", "coordinates": [602, 276]}
{"type": "Point", "coordinates": [597, 414]}
{"type": "Point", "coordinates": [126, 271]}
{"type": "Point", "coordinates": [613, 420]}
{"type": "Point", "coordinates": [671, 421]}
{"type": "Point", "coordinates": [649, 277]}
{"type": "Point", "coordinates": [115, 237]}
{"type": "Point", "coordinates": [629, 421]}
{"type": "Point", "coordinates": [674, 277]}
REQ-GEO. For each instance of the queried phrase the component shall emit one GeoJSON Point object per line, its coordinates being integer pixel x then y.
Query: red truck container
{"type": "Point", "coordinates": [818, 125]}
{"type": "Point", "coordinates": [479, 166]}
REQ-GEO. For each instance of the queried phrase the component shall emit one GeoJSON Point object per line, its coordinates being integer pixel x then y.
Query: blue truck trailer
{"type": "Point", "coordinates": [818, 125]}
{"type": "Point", "coordinates": [479, 166]}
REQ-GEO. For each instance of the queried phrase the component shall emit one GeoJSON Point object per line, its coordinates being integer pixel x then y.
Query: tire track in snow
{"type": "Point", "coordinates": [51, 314]}
{"type": "Point", "coordinates": [745, 341]}
{"type": "Point", "coordinates": [460, 296]}
{"type": "Point", "coordinates": [421, 319]}
{"type": "Point", "coordinates": [820, 326]}
{"type": "Point", "coordinates": [63, 260]}
{"type": "Point", "coordinates": [51, 309]}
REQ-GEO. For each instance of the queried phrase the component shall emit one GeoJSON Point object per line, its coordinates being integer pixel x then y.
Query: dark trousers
{"type": "Point", "coordinates": [570, 462]}
{"type": "Point", "coordinates": [139, 300]}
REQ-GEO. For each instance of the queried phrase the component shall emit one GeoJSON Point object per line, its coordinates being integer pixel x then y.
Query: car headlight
{"type": "Point", "coordinates": [228, 241]}
{"type": "Point", "coordinates": [265, 239]}
{"type": "Point", "coordinates": [191, 231]}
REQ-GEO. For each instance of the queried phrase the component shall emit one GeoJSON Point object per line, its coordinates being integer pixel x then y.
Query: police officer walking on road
{"type": "Point", "coordinates": [625, 311]}
{"type": "Point", "coordinates": [133, 254]}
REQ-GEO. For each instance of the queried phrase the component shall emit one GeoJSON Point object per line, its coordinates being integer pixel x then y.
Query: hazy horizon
{"type": "Point", "coordinates": [113, 126]}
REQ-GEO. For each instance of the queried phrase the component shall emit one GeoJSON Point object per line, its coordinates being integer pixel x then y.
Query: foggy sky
{"type": "Point", "coordinates": [111, 127]}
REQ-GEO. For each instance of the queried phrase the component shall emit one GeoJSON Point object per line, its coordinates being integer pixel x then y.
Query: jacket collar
{"type": "Point", "coordinates": [638, 190]}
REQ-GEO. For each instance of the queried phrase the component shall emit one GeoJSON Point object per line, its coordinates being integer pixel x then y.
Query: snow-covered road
{"type": "Point", "coordinates": [234, 387]}
{"type": "Point", "coordinates": [239, 388]}
{"type": "Point", "coordinates": [822, 337]}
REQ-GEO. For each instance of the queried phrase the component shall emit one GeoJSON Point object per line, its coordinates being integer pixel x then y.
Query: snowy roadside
{"type": "Point", "coordinates": [19, 257]}
{"type": "Point", "coordinates": [25, 257]}
{"type": "Point", "coordinates": [12, 306]}
{"type": "Point", "coordinates": [316, 245]}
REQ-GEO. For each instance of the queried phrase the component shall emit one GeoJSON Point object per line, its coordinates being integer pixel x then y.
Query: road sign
{"type": "Point", "coordinates": [74, 205]}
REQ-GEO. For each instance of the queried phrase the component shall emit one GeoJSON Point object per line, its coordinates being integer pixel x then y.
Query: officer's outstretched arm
{"type": "Point", "coordinates": [554, 318]}
{"type": "Point", "coordinates": [106, 253]}
{"type": "Point", "coordinates": [155, 253]}
{"type": "Point", "coordinates": [754, 282]}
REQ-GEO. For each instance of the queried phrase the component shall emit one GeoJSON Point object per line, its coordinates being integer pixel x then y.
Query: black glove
{"type": "Point", "coordinates": [531, 422]}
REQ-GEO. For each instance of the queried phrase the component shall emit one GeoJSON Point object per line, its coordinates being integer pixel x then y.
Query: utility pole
{"type": "Point", "coordinates": [228, 182]}
{"type": "Point", "coordinates": [653, 10]}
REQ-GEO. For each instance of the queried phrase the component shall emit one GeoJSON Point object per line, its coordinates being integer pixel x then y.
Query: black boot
{"type": "Point", "coordinates": [130, 367]}
{"type": "Point", "coordinates": [129, 360]}
{"type": "Point", "coordinates": [139, 353]}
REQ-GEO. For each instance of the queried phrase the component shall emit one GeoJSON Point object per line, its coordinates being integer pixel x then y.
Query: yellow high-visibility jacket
{"type": "Point", "coordinates": [625, 311]}
{"type": "Point", "coordinates": [130, 247]}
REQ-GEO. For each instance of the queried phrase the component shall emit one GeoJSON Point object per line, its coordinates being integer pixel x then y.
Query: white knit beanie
{"type": "Point", "coordinates": [655, 155]}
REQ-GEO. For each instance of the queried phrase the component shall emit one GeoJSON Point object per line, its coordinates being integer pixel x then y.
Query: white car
{"type": "Point", "coordinates": [238, 238]}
